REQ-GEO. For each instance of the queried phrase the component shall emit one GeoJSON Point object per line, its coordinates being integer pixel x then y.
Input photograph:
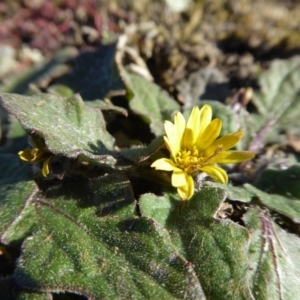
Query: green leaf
{"type": "Point", "coordinates": [88, 240]}
{"type": "Point", "coordinates": [279, 84]}
{"type": "Point", "coordinates": [216, 248]}
{"type": "Point", "coordinates": [282, 182]}
{"type": "Point", "coordinates": [17, 214]}
{"type": "Point", "coordinates": [158, 208]}
{"type": "Point", "coordinates": [60, 90]}
{"type": "Point", "coordinates": [282, 205]}
{"type": "Point", "coordinates": [234, 193]}
{"type": "Point", "coordinates": [106, 106]}
{"type": "Point", "coordinates": [95, 74]}
{"type": "Point", "coordinates": [68, 127]}
{"type": "Point", "coordinates": [141, 153]}
{"type": "Point", "coordinates": [273, 258]}
{"type": "Point", "coordinates": [149, 101]}
{"type": "Point", "coordinates": [278, 101]}
{"type": "Point", "coordinates": [257, 261]}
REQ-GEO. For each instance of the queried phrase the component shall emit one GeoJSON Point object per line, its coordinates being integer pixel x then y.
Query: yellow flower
{"type": "Point", "coordinates": [194, 148]}
{"type": "Point", "coordinates": [37, 155]}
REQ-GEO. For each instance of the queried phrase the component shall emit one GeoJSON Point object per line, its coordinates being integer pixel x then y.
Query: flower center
{"type": "Point", "coordinates": [191, 160]}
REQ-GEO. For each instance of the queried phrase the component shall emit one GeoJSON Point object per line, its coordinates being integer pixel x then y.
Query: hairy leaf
{"type": "Point", "coordinates": [278, 101]}
{"type": "Point", "coordinates": [234, 193]}
{"type": "Point", "coordinates": [149, 101]}
{"type": "Point", "coordinates": [282, 205]}
{"type": "Point", "coordinates": [257, 261]}
{"type": "Point", "coordinates": [87, 239]}
{"type": "Point", "coordinates": [282, 182]}
{"type": "Point", "coordinates": [17, 213]}
{"type": "Point", "coordinates": [216, 248]}
{"type": "Point", "coordinates": [273, 269]}
{"type": "Point", "coordinates": [68, 127]}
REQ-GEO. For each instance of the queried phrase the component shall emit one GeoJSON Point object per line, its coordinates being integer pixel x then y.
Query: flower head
{"type": "Point", "coordinates": [194, 148]}
{"type": "Point", "coordinates": [35, 155]}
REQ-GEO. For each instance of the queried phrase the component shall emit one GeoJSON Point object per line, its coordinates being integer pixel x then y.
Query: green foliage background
{"type": "Point", "coordinates": [104, 225]}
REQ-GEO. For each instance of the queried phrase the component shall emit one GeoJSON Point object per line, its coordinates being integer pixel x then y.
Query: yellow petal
{"type": "Point", "coordinates": [179, 123]}
{"type": "Point", "coordinates": [33, 155]}
{"type": "Point", "coordinates": [192, 128]}
{"type": "Point", "coordinates": [167, 143]}
{"type": "Point", "coordinates": [216, 173]}
{"type": "Point", "coordinates": [205, 117]}
{"type": "Point", "coordinates": [179, 178]}
{"type": "Point", "coordinates": [232, 157]}
{"type": "Point", "coordinates": [227, 142]}
{"type": "Point", "coordinates": [193, 118]}
{"type": "Point", "coordinates": [26, 155]}
{"type": "Point", "coordinates": [164, 164]}
{"type": "Point", "coordinates": [45, 169]}
{"type": "Point", "coordinates": [172, 141]}
{"type": "Point", "coordinates": [186, 192]}
{"type": "Point", "coordinates": [210, 133]}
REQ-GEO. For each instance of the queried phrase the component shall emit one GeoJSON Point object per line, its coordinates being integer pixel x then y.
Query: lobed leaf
{"type": "Point", "coordinates": [88, 240]}
{"type": "Point", "coordinates": [216, 248]}
{"type": "Point", "coordinates": [278, 101]}
{"type": "Point", "coordinates": [282, 205]}
{"type": "Point", "coordinates": [149, 101]}
{"type": "Point", "coordinates": [67, 125]}
{"type": "Point", "coordinates": [258, 261]}
{"type": "Point", "coordinates": [281, 182]}
{"type": "Point", "coordinates": [273, 269]}
{"type": "Point", "coordinates": [233, 193]}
